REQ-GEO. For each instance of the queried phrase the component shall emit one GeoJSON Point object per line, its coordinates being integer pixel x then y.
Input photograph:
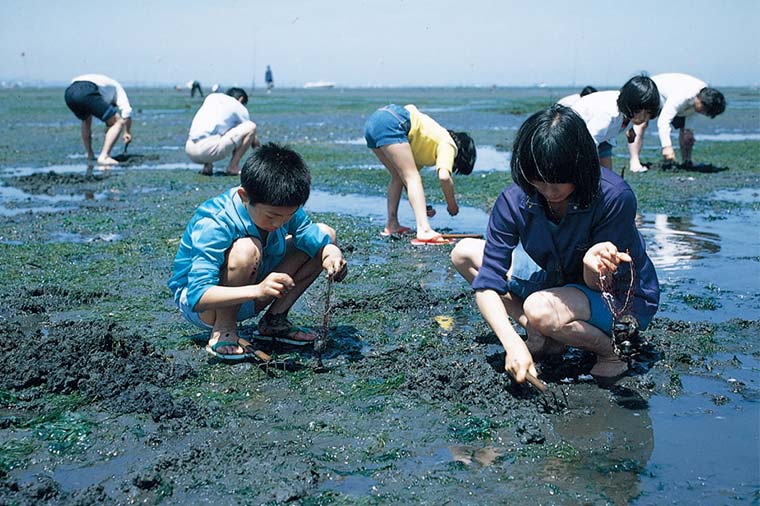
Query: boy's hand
{"type": "Point", "coordinates": [127, 138]}
{"type": "Point", "coordinates": [453, 209]}
{"type": "Point", "coordinates": [334, 263]}
{"type": "Point", "coordinates": [668, 153]}
{"type": "Point", "coordinates": [276, 284]}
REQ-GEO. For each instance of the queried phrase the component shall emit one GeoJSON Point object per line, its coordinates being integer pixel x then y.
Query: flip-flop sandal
{"type": "Point", "coordinates": [232, 357]}
{"type": "Point", "coordinates": [436, 240]}
{"type": "Point", "coordinates": [285, 336]}
{"type": "Point", "coordinates": [400, 231]}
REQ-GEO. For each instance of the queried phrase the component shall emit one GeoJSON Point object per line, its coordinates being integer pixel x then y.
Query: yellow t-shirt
{"type": "Point", "coordinates": [431, 144]}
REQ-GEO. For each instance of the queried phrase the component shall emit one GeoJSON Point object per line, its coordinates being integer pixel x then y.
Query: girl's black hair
{"type": "Point", "coordinates": [464, 162]}
{"type": "Point", "coordinates": [639, 93]}
{"type": "Point", "coordinates": [554, 146]}
{"type": "Point", "coordinates": [713, 100]}
{"type": "Point", "coordinates": [277, 176]}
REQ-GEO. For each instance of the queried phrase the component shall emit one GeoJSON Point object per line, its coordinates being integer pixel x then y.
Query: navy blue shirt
{"type": "Point", "coordinates": [559, 250]}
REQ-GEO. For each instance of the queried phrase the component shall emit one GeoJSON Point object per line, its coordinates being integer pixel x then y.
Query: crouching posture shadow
{"type": "Point", "coordinates": [254, 247]}
{"type": "Point", "coordinates": [564, 222]}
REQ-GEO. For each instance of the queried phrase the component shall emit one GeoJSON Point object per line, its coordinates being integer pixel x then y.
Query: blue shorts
{"type": "Point", "coordinates": [528, 277]}
{"type": "Point", "coordinates": [247, 310]}
{"type": "Point", "coordinates": [605, 149]}
{"type": "Point", "coordinates": [84, 100]}
{"type": "Point", "coordinates": [387, 125]}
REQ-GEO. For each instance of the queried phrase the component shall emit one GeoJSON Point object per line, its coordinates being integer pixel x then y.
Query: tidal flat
{"type": "Point", "coordinates": [107, 396]}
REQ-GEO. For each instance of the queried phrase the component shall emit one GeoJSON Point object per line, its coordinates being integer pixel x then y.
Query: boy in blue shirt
{"type": "Point", "coordinates": [250, 248]}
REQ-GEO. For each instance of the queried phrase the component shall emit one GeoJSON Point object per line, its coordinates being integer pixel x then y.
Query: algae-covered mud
{"type": "Point", "coordinates": [106, 396]}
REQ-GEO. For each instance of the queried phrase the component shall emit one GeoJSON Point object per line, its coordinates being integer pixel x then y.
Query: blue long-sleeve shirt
{"type": "Point", "coordinates": [559, 250]}
{"type": "Point", "coordinates": [219, 222]}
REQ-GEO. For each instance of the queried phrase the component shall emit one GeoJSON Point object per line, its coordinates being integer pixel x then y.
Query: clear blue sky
{"type": "Point", "coordinates": [380, 43]}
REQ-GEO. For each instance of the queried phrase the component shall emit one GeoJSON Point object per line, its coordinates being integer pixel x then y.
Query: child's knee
{"type": "Point", "coordinates": [329, 231]}
{"type": "Point", "coordinates": [245, 253]}
{"type": "Point", "coordinates": [540, 313]}
{"type": "Point", "coordinates": [467, 252]}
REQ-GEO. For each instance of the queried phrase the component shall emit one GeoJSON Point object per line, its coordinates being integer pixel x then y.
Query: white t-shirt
{"type": "Point", "coordinates": [600, 112]}
{"type": "Point", "coordinates": [677, 94]}
{"type": "Point", "coordinates": [569, 100]}
{"type": "Point", "coordinates": [110, 90]}
{"type": "Point", "coordinates": [218, 114]}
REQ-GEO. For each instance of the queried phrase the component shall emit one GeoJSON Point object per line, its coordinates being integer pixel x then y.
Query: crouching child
{"type": "Point", "coordinates": [253, 248]}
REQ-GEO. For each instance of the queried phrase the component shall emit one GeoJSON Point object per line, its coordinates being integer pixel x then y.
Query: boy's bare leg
{"type": "Point", "coordinates": [208, 169]}
{"type": "Point", "coordinates": [234, 166]}
{"type": "Point", "coordinates": [686, 142]}
{"type": "Point", "coordinates": [395, 187]}
{"type": "Point", "coordinates": [400, 158]}
{"type": "Point", "coordinates": [243, 261]}
{"type": "Point", "coordinates": [114, 126]}
{"type": "Point", "coordinates": [304, 271]}
{"type": "Point", "coordinates": [86, 132]}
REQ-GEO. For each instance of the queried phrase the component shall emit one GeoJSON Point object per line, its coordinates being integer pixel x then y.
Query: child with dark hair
{"type": "Point", "coordinates": [222, 126]}
{"type": "Point", "coordinates": [552, 235]}
{"type": "Point", "coordinates": [250, 248]}
{"type": "Point", "coordinates": [683, 96]}
{"type": "Point", "coordinates": [607, 113]}
{"type": "Point", "coordinates": [406, 140]}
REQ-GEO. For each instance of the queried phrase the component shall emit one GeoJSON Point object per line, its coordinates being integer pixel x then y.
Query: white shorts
{"type": "Point", "coordinates": [216, 147]}
{"type": "Point", "coordinates": [247, 310]}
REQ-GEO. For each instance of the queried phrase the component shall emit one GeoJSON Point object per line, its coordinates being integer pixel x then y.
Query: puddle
{"type": "Point", "coordinates": [727, 137]}
{"type": "Point", "coordinates": [491, 159]}
{"type": "Point", "coordinates": [704, 452]}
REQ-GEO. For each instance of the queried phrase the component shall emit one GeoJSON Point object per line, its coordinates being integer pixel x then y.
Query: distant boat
{"type": "Point", "coordinates": [319, 84]}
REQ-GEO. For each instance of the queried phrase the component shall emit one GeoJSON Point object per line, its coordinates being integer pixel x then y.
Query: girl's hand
{"type": "Point", "coordinates": [600, 260]}
{"type": "Point", "coordinates": [518, 362]}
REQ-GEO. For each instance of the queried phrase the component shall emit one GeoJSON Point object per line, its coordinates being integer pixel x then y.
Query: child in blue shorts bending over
{"type": "Point", "coordinates": [564, 224]}
{"type": "Point", "coordinates": [250, 248]}
{"type": "Point", "coordinates": [406, 140]}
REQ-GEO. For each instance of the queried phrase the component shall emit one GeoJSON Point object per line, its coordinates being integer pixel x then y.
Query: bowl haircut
{"type": "Point", "coordinates": [464, 162]}
{"type": "Point", "coordinates": [639, 93]}
{"type": "Point", "coordinates": [277, 176]}
{"type": "Point", "coordinates": [554, 146]}
{"type": "Point", "coordinates": [713, 100]}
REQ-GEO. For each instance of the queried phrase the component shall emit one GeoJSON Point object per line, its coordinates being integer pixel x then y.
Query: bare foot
{"type": "Point", "coordinates": [541, 346]}
{"type": "Point", "coordinates": [607, 370]}
{"type": "Point", "coordinates": [107, 160]}
{"type": "Point", "coordinates": [207, 170]}
{"type": "Point", "coordinates": [226, 336]}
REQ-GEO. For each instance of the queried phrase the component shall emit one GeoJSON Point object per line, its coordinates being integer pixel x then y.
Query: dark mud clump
{"type": "Point", "coordinates": [52, 183]}
{"type": "Point", "coordinates": [49, 298]}
{"type": "Point", "coordinates": [98, 360]}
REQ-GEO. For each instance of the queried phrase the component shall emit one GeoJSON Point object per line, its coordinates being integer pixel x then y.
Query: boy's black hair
{"type": "Point", "coordinates": [464, 162]}
{"type": "Point", "coordinates": [588, 90]}
{"type": "Point", "coordinates": [713, 100]}
{"type": "Point", "coordinates": [554, 146]}
{"type": "Point", "coordinates": [236, 93]}
{"type": "Point", "coordinates": [277, 176]}
{"type": "Point", "coordinates": [639, 93]}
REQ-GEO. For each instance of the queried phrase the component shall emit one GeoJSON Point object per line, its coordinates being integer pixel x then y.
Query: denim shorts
{"type": "Point", "coordinates": [605, 149]}
{"type": "Point", "coordinates": [247, 310]}
{"type": "Point", "coordinates": [528, 277]}
{"type": "Point", "coordinates": [387, 125]}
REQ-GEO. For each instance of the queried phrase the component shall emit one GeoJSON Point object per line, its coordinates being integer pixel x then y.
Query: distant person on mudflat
{"type": "Point", "coordinates": [269, 79]}
{"type": "Point", "coordinates": [563, 224]}
{"type": "Point", "coordinates": [406, 140]}
{"type": "Point", "coordinates": [253, 248]}
{"type": "Point", "coordinates": [222, 126]}
{"type": "Point", "coordinates": [683, 96]}
{"type": "Point", "coordinates": [569, 100]}
{"type": "Point", "coordinates": [194, 87]}
{"type": "Point", "coordinates": [608, 113]}
{"type": "Point", "coordinates": [100, 96]}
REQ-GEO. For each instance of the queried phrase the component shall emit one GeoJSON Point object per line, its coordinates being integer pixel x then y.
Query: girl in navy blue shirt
{"type": "Point", "coordinates": [562, 225]}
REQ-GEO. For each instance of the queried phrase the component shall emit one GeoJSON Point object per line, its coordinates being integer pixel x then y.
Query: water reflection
{"type": "Point", "coordinates": [673, 241]}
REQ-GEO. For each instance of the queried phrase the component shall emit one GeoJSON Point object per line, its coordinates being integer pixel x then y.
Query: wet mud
{"type": "Point", "coordinates": [107, 396]}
